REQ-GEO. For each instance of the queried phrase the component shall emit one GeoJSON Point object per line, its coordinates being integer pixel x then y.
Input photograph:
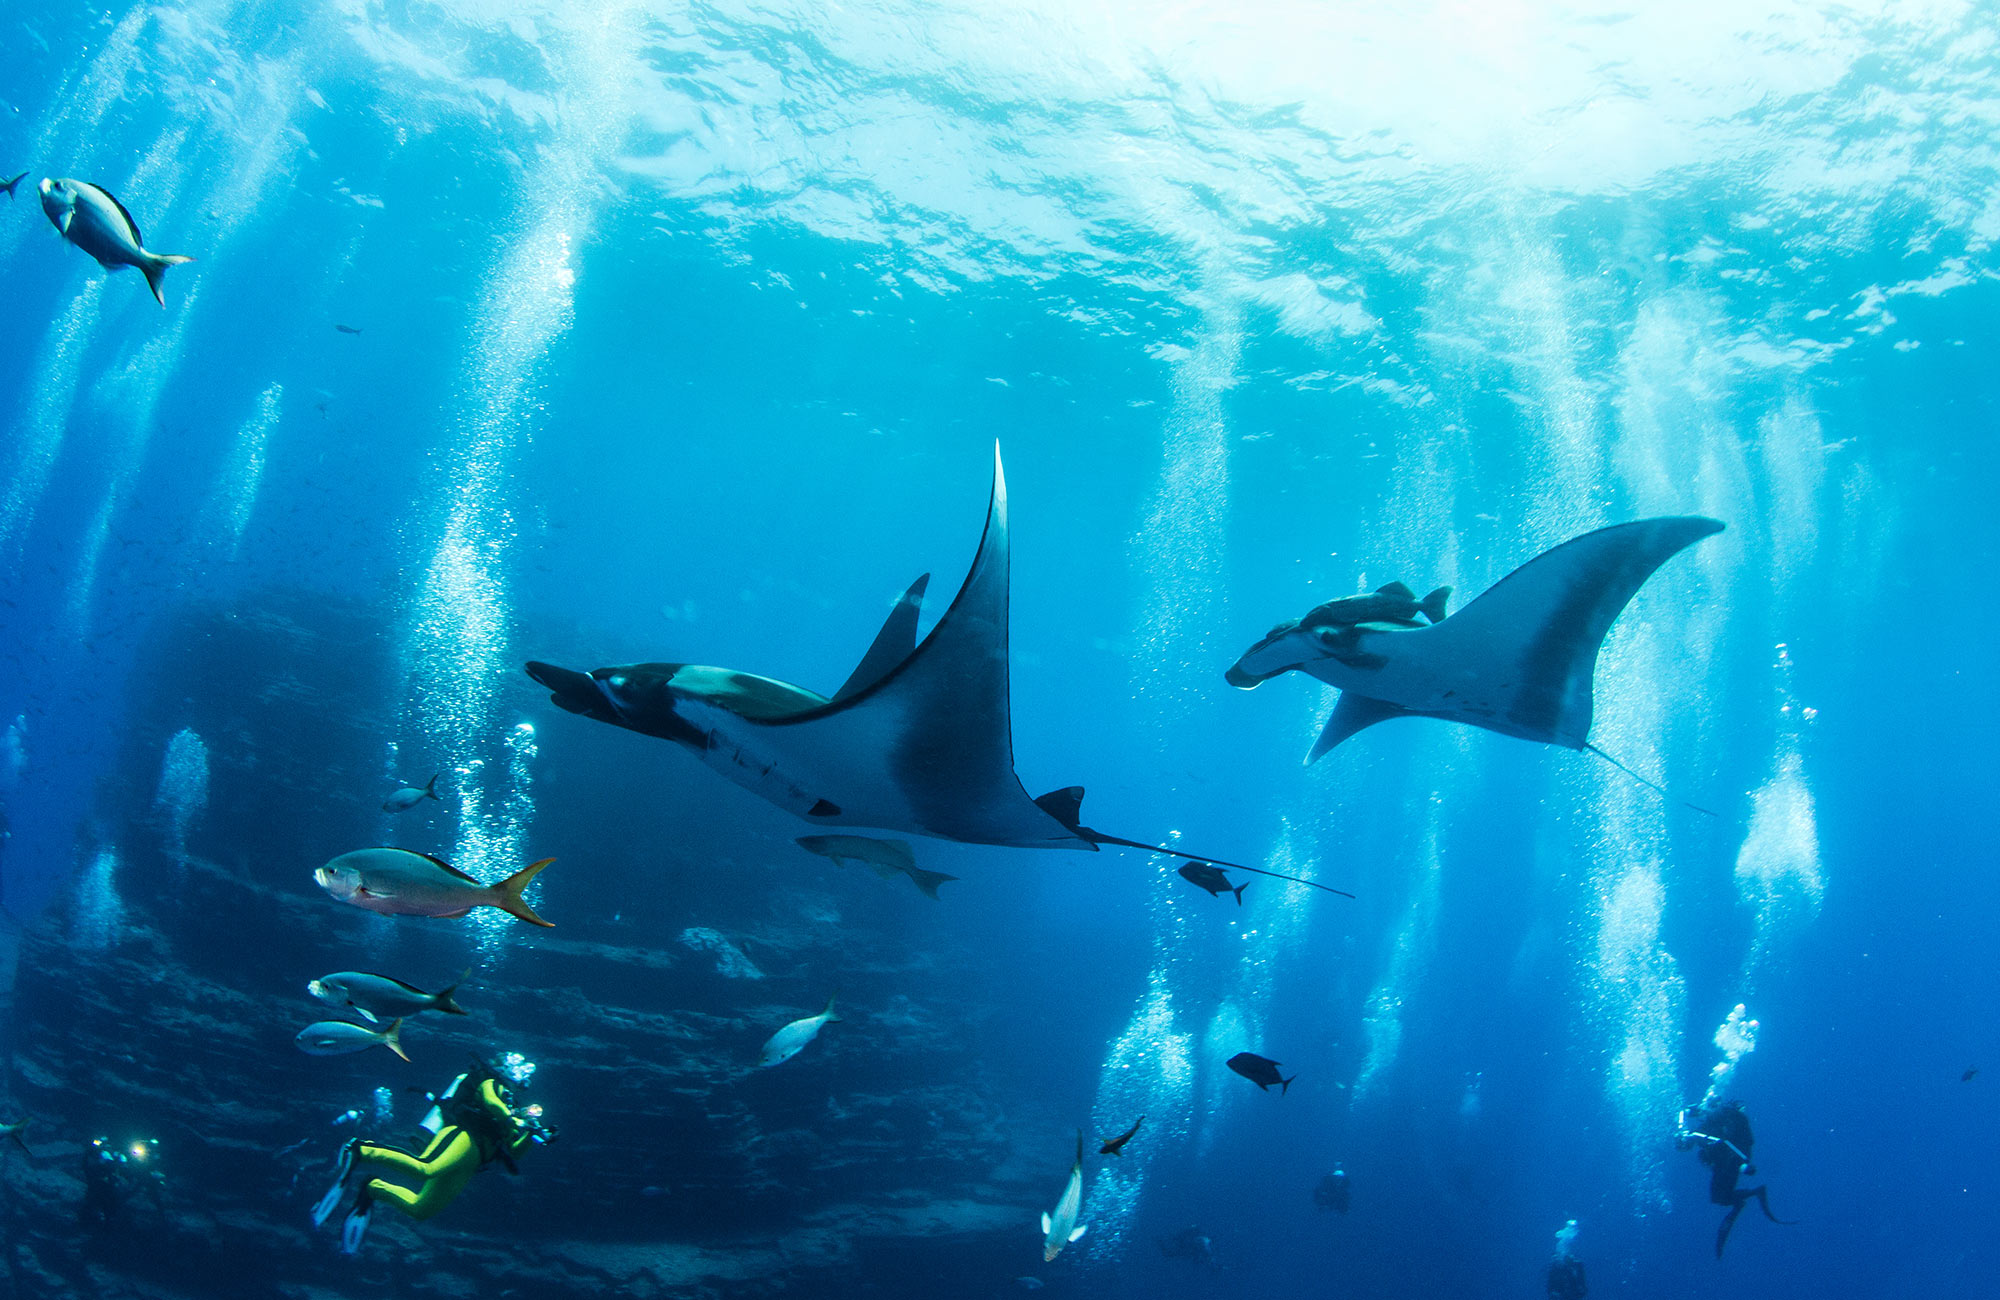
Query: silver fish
{"type": "Point", "coordinates": [410, 796]}
{"type": "Point", "coordinates": [397, 882]}
{"type": "Point", "coordinates": [787, 1042]}
{"type": "Point", "coordinates": [89, 217]}
{"type": "Point", "coordinates": [1060, 1229]}
{"type": "Point", "coordinates": [378, 997]}
{"type": "Point", "coordinates": [338, 1038]}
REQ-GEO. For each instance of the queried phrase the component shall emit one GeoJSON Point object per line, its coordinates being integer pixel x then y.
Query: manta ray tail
{"type": "Point", "coordinates": [1650, 785]}
{"type": "Point", "coordinates": [1066, 806]}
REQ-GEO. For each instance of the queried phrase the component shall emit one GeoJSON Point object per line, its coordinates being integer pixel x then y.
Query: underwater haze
{"type": "Point", "coordinates": [613, 333]}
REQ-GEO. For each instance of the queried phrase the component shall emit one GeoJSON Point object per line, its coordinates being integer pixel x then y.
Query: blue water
{"type": "Point", "coordinates": [686, 333]}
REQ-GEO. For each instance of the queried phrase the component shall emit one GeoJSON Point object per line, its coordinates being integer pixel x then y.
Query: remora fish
{"type": "Point", "coordinates": [338, 1038]}
{"type": "Point", "coordinates": [787, 1042]}
{"type": "Point", "coordinates": [14, 1130]}
{"type": "Point", "coordinates": [397, 882]}
{"type": "Point", "coordinates": [379, 997]}
{"type": "Point", "coordinates": [410, 796]}
{"type": "Point", "coordinates": [89, 217]}
{"type": "Point", "coordinates": [1203, 876]}
{"type": "Point", "coordinates": [1061, 1228]}
{"type": "Point", "coordinates": [889, 858]}
{"type": "Point", "coordinates": [1260, 1070]}
{"type": "Point", "coordinates": [1116, 1146]}
{"type": "Point", "coordinates": [9, 185]}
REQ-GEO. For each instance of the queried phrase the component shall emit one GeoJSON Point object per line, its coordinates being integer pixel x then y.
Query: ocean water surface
{"type": "Point", "coordinates": [610, 333]}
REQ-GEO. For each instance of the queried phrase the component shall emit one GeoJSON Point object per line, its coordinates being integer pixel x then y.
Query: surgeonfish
{"type": "Point", "coordinates": [410, 796]}
{"type": "Point", "coordinates": [398, 882]}
{"type": "Point", "coordinates": [787, 1042]}
{"type": "Point", "coordinates": [378, 997]}
{"type": "Point", "coordinates": [89, 217]}
{"type": "Point", "coordinates": [888, 858]}
{"type": "Point", "coordinates": [1260, 1070]}
{"type": "Point", "coordinates": [1116, 1146]}
{"type": "Point", "coordinates": [1212, 879]}
{"type": "Point", "coordinates": [1061, 1228]}
{"type": "Point", "coordinates": [338, 1038]}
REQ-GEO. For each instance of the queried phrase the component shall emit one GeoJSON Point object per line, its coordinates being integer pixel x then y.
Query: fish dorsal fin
{"type": "Point", "coordinates": [1526, 649]}
{"type": "Point", "coordinates": [896, 641]}
{"type": "Point", "coordinates": [1065, 805]}
{"type": "Point", "coordinates": [1353, 713]}
{"type": "Point", "coordinates": [138, 240]}
{"type": "Point", "coordinates": [1396, 589]}
{"type": "Point", "coordinates": [440, 862]}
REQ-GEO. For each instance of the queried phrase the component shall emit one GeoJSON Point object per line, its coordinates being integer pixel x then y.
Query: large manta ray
{"type": "Point", "coordinates": [1519, 660]}
{"type": "Point", "coordinates": [919, 739]}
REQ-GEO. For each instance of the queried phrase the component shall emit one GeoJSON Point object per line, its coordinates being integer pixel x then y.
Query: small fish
{"type": "Point", "coordinates": [1213, 879]}
{"type": "Point", "coordinates": [338, 1038]}
{"type": "Point", "coordinates": [89, 217]}
{"type": "Point", "coordinates": [346, 329]}
{"type": "Point", "coordinates": [9, 185]}
{"type": "Point", "coordinates": [398, 882]}
{"type": "Point", "coordinates": [410, 796]}
{"type": "Point", "coordinates": [1967, 1076]}
{"type": "Point", "coordinates": [14, 1130]}
{"type": "Point", "coordinates": [1061, 1228]}
{"type": "Point", "coordinates": [1029, 1283]}
{"type": "Point", "coordinates": [1260, 1070]}
{"type": "Point", "coordinates": [787, 1042]}
{"type": "Point", "coordinates": [889, 858]}
{"type": "Point", "coordinates": [1116, 1146]}
{"type": "Point", "coordinates": [379, 997]}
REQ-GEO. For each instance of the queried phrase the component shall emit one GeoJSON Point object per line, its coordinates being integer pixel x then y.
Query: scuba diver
{"type": "Point", "coordinates": [114, 1175]}
{"type": "Point", "coordinates": [473, 1124]}
{"type": "Point", "coordinates": [1566, 1280]}
{"type": "Point", "coordinates": [1722, 1134]}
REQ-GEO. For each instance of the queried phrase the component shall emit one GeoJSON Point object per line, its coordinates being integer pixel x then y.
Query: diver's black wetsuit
{"type": "Point", "coordinates": [1723, 1135]}
{"type": "Point", "coordinates": [1566, 1278]}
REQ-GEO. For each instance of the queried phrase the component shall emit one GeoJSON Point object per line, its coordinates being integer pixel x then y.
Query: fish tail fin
{"type": "Point", "coordinates": [928, 881]}
{"type": "Point", "coordinates": [1285, 1085]}
{"type": "Point", "coordinates": [445, 1002]}
{"type": "Point", "coordinates": [154, 267]}
{"type": "Point", "coordinates": [1238, 891]}
{"type": "Point", "coordinates": [507, 894]}
{"type": "Point", "coordinates": [430, 786]}
{"type": "Point", "coordinates": [1434, 605]}
{"type": "Point", "coordinates": [828, 1013]}
{"type": "Point", "coordinates": [392, 1038]}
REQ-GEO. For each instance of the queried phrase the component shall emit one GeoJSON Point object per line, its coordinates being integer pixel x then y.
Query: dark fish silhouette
{"type": "Point", "coordinates": [1203, 876]}
{"type": "Point", "coordinates": [1116, 1146]}
{"type": "Point", "coordinates": [1967, 1076]}
{"type": "Point", "coordinates": [1260, 1070]}
{"type": "Point", "coordinates": [346, 329]}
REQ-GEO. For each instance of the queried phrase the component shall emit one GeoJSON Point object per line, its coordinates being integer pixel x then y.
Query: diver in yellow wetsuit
{"type": "Point", "coordinates": [474, 1124]}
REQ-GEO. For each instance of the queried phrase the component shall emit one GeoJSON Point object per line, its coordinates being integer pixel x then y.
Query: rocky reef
{"type": "Point", "coordinates": [156, 1003]}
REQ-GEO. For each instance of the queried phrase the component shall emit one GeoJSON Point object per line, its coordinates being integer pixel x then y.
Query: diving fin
{"type": "Point", "coordinates": [343, 1165]}
{"type": "Point", "coordinates": [354, 1229]}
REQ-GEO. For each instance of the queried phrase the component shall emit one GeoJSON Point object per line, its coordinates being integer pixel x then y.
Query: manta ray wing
{"type": "Point", "coordinates": [928, 746]}
{"type": "Point", "coordinates": [1521, 658]}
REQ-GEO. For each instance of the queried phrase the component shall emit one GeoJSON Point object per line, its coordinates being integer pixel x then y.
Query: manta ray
{"type": "Point", "coordinates": [1519, 660]}
{"type": "Point", "coordinates": [919, 739]}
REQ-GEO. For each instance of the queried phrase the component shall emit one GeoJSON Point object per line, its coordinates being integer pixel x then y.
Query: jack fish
{"type": "Point", "coordinates": [397, 882]}
{"type": "Point", "coordinates": [94, 221]}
